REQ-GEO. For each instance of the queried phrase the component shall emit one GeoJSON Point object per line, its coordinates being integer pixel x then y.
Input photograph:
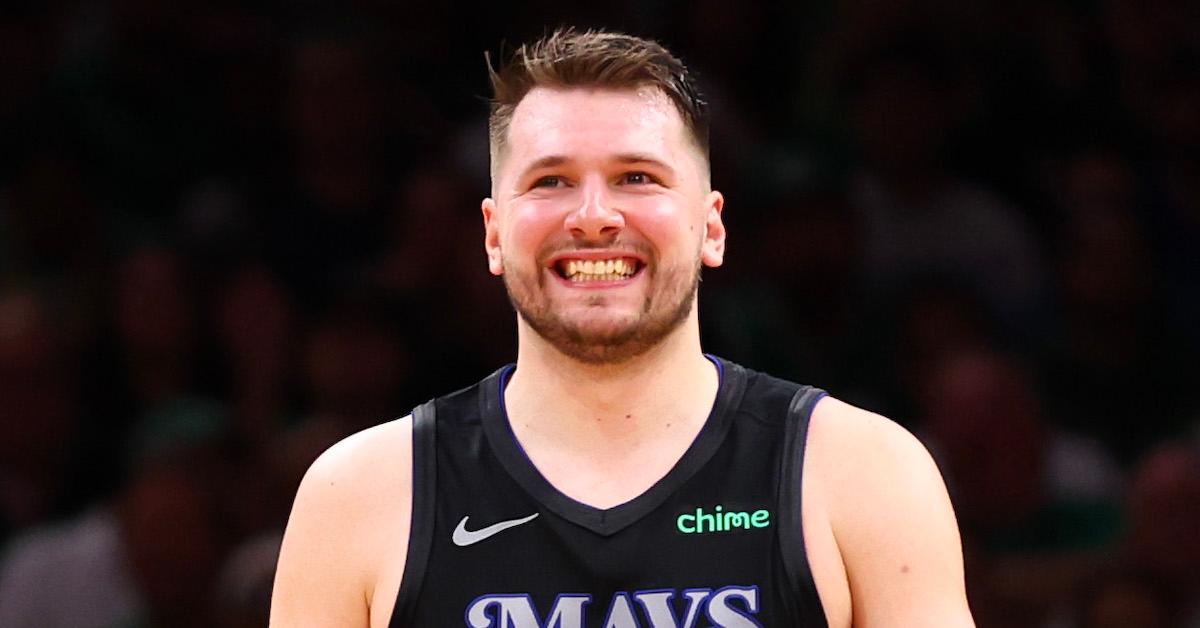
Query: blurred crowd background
{"type": "Point", "coordinates": [232, 233]}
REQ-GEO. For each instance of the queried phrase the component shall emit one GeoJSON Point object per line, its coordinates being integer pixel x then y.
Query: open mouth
{"type": "Point", "coordinates": [595, 270]}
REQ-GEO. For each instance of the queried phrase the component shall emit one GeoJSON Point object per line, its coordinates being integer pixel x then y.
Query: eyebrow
{"type": "Point", "coordinates": [550, 161]}
{"type": "Point", "coordinates": [640, 158]}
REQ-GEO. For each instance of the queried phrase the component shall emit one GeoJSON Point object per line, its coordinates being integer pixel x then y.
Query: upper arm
{"type": "Point", "coordinates": [892, 520]}
{"type": "Point", "coordinates": [350, 511]}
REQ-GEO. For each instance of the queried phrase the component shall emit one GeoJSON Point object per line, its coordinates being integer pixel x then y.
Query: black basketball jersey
{"type": "Point", "coordinates": [716, 542]}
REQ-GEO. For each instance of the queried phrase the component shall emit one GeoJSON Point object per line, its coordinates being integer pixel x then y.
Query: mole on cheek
{"type": "Point", "coordinates": [904, 569]}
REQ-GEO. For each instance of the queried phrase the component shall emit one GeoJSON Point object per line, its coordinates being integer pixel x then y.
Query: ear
{"type": "Point", "coordinates": [712, 250]}
{"type": "Point", "coordinates": [491, 237]}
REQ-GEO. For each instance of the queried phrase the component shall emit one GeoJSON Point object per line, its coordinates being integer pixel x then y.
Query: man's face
{"type": "Point", "coordinates": [600, 219]}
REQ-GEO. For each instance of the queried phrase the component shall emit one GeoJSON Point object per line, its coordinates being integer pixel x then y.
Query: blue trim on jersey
{"type": "Point", "coordinates": [720, 368]}
{"type": "Point", "coordinates": [505, 375]}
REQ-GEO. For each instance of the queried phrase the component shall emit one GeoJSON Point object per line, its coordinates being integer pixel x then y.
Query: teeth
{"type": "Point", "coordinates": [598, 270]}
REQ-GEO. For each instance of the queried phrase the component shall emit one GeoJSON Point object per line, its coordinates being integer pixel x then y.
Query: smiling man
{"type": "Point", "coordinates": [616, 476]}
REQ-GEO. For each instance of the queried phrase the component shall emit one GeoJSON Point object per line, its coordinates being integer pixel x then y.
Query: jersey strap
{"type": "Point", "coordinates": [424, 494]}
{"type": "Point", "coordinates": [791, 532]}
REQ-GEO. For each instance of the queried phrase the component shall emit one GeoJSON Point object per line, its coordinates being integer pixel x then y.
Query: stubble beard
{"type": "Point", "coordinates": [662, 312]}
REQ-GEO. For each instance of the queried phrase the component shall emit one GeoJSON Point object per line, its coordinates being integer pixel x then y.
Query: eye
{"type": "Point", "coordinates": [637, 178]}
{"type": "Point", "coordinates": [551, 181]}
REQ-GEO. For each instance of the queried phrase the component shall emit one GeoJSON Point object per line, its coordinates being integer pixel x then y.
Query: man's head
{"type": "Point", "coordinates": [601, 211]}
{"type": "Point", "coordinates": [568, 59]}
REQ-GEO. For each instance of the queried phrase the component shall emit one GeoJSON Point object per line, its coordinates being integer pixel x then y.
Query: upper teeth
{"type": "Point", "coordinates": [610, 269]}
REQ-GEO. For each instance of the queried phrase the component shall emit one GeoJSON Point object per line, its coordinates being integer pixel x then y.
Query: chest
{"type": "Point", "coordinates": [607, 476]}
{"type": "Point", "coordinates": [699, 547]}
{"type": "Point", "coordinates": [711, 538]}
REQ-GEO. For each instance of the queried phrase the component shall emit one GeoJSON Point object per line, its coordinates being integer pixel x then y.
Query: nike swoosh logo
{"type": "Point", "coordinates": [464, 537]}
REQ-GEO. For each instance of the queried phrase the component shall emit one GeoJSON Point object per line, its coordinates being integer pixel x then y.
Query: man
{"type": "Point", "coordinates": [617, 476]}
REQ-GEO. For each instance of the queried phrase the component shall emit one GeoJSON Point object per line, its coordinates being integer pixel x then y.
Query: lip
{"type": "Point", "coordinates": [595, 285]}
{"type": "Point", "coordinates": [594, 254]}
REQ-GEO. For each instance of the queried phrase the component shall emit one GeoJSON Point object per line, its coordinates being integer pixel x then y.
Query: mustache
{"type": "Point", "coordinates": [618, 246]}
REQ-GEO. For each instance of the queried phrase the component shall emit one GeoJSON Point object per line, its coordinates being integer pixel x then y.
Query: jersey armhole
{"type": "Point", "coordinates": [420, 536]}
{"type": "Point", "coordinates": [791, 530]}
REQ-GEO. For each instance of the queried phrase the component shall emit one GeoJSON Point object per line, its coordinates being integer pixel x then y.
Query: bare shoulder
{"type": "Point", "coordinates": [362, 474]}
{"type": "Point", "coordinates": [890, 514]}
{"type": "Point", "coordinates": [347, 535]}
{"type": "Point", "coordinates": [360, 463]}
{"type": "Point", "coordinates": [858, 446]}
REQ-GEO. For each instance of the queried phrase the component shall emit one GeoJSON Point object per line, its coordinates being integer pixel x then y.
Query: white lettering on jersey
{"type": "Point", "coordinates": [728, 607]}
{"type": "Point", "coordinates": [722, 613]}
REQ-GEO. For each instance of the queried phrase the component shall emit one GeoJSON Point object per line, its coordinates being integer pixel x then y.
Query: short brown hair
{"type": "Point", "coordinates": [592, 58]}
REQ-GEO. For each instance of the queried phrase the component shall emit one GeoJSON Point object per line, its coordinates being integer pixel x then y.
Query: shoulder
{"type": "Point", "coordinates": [348, 530]}
{"type": "Point", "coordinates": [866, 466]}
{"type": "Point", "coordinates": [358, 484]}
{"type": "Point", "coordinates": [857, 445]}
{"type": "Point", "coordinates": [360, 463]}
{"type": "Point", "coordinates": [890, 514]}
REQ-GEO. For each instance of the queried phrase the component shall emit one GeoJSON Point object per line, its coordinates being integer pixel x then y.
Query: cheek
{"type": "Point", "coordinates": [667, 224]}
{"type": "Point", "coordinates": [531, 232]}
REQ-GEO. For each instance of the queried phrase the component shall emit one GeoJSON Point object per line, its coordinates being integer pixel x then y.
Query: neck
{"type": "Point", "coordinates": [562, 398]}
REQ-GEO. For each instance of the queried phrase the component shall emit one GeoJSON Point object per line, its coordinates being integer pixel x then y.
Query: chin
{"type": "Point", "coordinates": [603, 324]}
{"type": "Point", "coordinates": [613, 341]}
{"type": "Point", "coordinates": [601, 329]}
{"type": "Point", "coordinates": [602, 353]}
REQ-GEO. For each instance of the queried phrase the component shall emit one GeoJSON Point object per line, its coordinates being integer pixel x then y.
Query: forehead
{"type": "Point", "coordinates": [584, 122]}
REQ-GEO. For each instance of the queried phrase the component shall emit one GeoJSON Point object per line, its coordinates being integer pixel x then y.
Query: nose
{"type": "Point", "coordinates": [596, 218]}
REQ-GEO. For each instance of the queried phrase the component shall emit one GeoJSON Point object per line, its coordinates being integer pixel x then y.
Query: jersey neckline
{"type": "Point", "coordinates": [607, 521]}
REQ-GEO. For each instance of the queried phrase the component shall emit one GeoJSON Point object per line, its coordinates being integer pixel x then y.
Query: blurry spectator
{"type": "Point", "coordinates": [155, 314]}
{"type": "Point", "coordinates": [145, 352]}
{"type": "Point", "coordinates": [1113, 331]}
{"type": "Point", "coordinates": [1172, 177]}
{"type": "Point", "coordinates": [1122, 598]}
{"type": "Point", "coordinates": [434, 272]}
{"type": "Point", "coordinates": [1164, 507]}
{"type": "Point", "coordinates": [255, 324]}
{"type": "Point", "coordinates": [331, 221]}
{"type": "Point", "coordinates": [128, 92]}
{"type": "Point", "coordinates": [918, 218]}
{"type": "Point", "coordinates": [1145, 34]}
{"type": "Point", "coordinates": [172, 545]}
{"type": "Point", "coordinates": [710, 38]}
{"type": "Point", "coordinates": [245, 582]}
{"type": "Point", "coordinates": [354, 365]}
{"type": "Point", "coordinates": [435, 223]}
{"type": "Point", "coordinates": [934, 321]}
{"type": "Point", "coordinates": [334, 112]}
{"type": "Point", "coordinates": [54, 225]}
{"type": "Point", "coordinates": [1037, 506]}
{"type": "Point", "coordinates": [38, 428]}
{"type": "Point", "coordinates": [787, 300]}
{"type": "Point", "coordinates": [71, 575]}
{"type": "Point", "coordinates": [146, 559]}
{"type": "Point", "coordinates": [1158, 57]}
{"type": "Point", "coordinates": [214, 224]}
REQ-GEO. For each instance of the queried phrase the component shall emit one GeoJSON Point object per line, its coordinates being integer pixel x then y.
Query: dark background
{"type": "Point", "coordinates": [232, 233]}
